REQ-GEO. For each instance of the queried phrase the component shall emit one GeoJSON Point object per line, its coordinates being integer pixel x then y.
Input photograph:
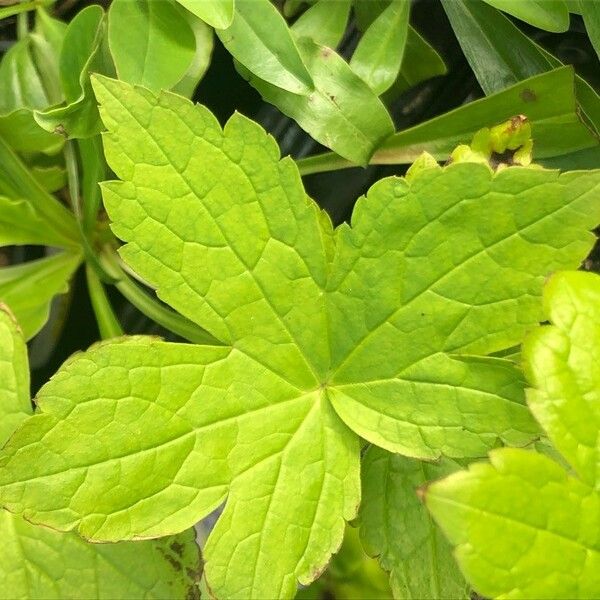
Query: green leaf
{"type": "Point", "coordinates": [561, 362]}
{"type": "Point", "coordinates": [395, 526]}
{"type": "Point", "coordinates": [36, 562]}
{"type": "Point", "coordinates": [523, 526]}
{"type": "Point", "coordinates": [501, 55]}
{"type": "Point", "coordinates": [15, 405]}
{"type": "Point", "coordinates": [551, 15]}
{"type": "Point", "coordinates": [419, 63]}
{"type": "Point", "coordinates": [366, 11]}
{"type": "Point", "coordinates": [21, 224]}
{"type": "Point", "coordinates": [379, 315]}
{"type": "Point", "coordinates": [324, 22]}
{"type": "Point", "coordinates": [204, 39]}
{"type": "Point", "coordinates": [261, 41]}
{"type": "Point", "coordinates": [83, 52]}
{"type": "Point", "coordinates": [29, 288]}
{"type": "Point", "coordinates": [217, 13]}
{"type": "Point", "coordinates": [379, 53]}
{"type": "Point", "coordinates": [150, 41]}
{"type": "Point", "coordinates": [342, 112]}
{"type": "Point", "coordinates": [547, 100]}
{"type": "Point", "coordinates": [590, 11]}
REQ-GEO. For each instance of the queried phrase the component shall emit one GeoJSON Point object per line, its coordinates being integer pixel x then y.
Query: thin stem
{"type": "Point", "coordinates": [108, 324]}
{"type": "Point", "coordinates": [17, 9]}
{"type": "Point", "coordinates": [73, 178]}
{"type": "Point", "coordinates": [151, 306]}
{"type": "Point", "coordinates": [22, 25]}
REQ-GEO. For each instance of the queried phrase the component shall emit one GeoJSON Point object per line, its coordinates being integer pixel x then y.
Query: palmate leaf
{"type": "Point", "coordinates": [378, 328]}
{"type": "Point", "coordinates": [36, 562]}
{"type": "Point", "coordinates": [523, 526]}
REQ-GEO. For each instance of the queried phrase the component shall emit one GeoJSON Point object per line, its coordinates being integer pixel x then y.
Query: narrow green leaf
{"type": "Point", "coordinates": [217, 13]}
{"type": "Point", "coordinates": [21, 224]}
{"type": "Point", "coordinates": [396, 527]}
{"type": "Point", "coordinates": [150, 41]}
{"type": "Point", "coordinates": [324, 22]}
{"type": "Point", "coordinates": [260, 39]}
{"type": "Point", "coordinates": [342, 112]}
{"type": "Point", "coordinates": [561, 362]}
{"type": "Point", "coordinates": [204, 37]}
{"type": "Point", "coordinates": [551, 15]}
{"type": "Point", "coordinates": [391, 316]}
{"type": "Point", "coordinates": [501, 55]}
{"type": "Point", "coordinates": [522, 527]}
{"type": "Point", "coordinates": [29, 288]}
{"type": "Point", "coordinates": [17, 182]}
{"type": "Point", "coordinates": [83, 52]}
{"type": "Point", "coordinates": [366, 11]}
{"type": "Point", "coordinates": [590, 11]}
{"type": "Point", "coordinates": [379, 53]}
{"type": "Point", "coordinates": [15, 405]}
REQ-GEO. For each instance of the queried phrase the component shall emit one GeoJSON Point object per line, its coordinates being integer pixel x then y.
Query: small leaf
{"type": "Point", "coordinates": [324, 22]}
{"type": "Point", "coordinates": [522, 527]}
{"type": "Point", "coordinates": [379, 53]}
{"type": "Point", "coordinates": [150, 41]}
{"type": "Point", "coordinates": [83, 52]}
{"type": "Point", "coordinates": [551, 15]}
{"type": "Point", "coordinates": [590, 11]}
{"type": "Point", "coordinates": [342, 112]}
{"type": "Point", "coordinates": [217, 13]}
{"type": "Point", "coordinates": [395, 526]}
{"type": "Point", "coordinates": [561, 362]}
{"type": "Point", "coordinates": [260, 39]}
{"type": "Point", "coordinates": [29, 288]}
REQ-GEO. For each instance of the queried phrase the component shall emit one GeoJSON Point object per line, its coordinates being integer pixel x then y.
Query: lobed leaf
{"type": "Point", "coordinates": [379, 328]}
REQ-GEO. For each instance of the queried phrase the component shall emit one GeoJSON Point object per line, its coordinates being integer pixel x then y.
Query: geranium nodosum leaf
{"type": "Point", "coordinates": [524, 526]}
{"type": "Point", "coordinates": [378, 327]}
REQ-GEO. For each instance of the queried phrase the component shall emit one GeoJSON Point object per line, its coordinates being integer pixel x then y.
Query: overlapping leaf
{"type": "Point", "coordinates": [525, 527]}
{"type": "Point", "coordinates": [378, 328]}
{"type": "Point", "coordinates": [36, 562]}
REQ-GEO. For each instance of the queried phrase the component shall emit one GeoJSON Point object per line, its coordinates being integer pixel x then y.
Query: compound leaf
{"type": "Point", "coordinates": [143, 438]}
{"type": "Point", "coordinates": [524, 527]}
{"type": "Point", "coordinates": [36, 562]}
{"type": "Point", "coordinates": [395, 526]}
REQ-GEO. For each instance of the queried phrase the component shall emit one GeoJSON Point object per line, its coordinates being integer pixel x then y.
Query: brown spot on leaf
{"type": "Point", "coordinates": [528, 95]}
{"type": "Point", "coordinates": [60, 130]}
{"type": "Point", "coordinates": [177, 548]}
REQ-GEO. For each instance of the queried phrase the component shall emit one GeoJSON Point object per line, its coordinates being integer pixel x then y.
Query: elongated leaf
{"type": "Point", "coordinates": [396, 527]}
{"type": "Point", "coordinates": [20, 223]}
{"type": "Point", "coordinates": [204, 40]}
{"type": "Point", "coordinates": [15, 405]}
{"type": "Point", "coordinates": [547, 100]}
{"type": "Point", "coordinates": [551, 15]}
{"type": "Point", "coordinates": [523, 526]}
{"type": "Point", "coordinates": [501, 55]}
{"type": "Point", "coordinates": [36, 562]}
{"type": "Point", "coordinates": [217, 13]}
{"type": "Point", "coordinates": [342, 113]}
{"type": "Point", "coordinates": [83, 52]}
{"type": "Point", "coordinates": [150, 41]}
{"type": "Point", "coordinates": [260, 39]}
{"type": "Point", "coordinates": [590, 11]}
{"type": "Point", "coordinates": [378, 56]}
{"type": "Point", "coordinates": [324, 22]}
{"type": "Point", "coordinates": [321, 329]}
{"type": "Point", "coordinates": [29, 288]}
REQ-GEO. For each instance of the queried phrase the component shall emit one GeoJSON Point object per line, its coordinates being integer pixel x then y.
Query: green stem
{"type": "Point", "coordinates": [151, 306]}
{"type": "Point", "coordinates": [17, 9]}
{"type": "Point", "coordinates": [108, 324]}
{"type": "Point", "coordinates": [22, 24]}
{"type": "Point", "coordinates": [73, 178]}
